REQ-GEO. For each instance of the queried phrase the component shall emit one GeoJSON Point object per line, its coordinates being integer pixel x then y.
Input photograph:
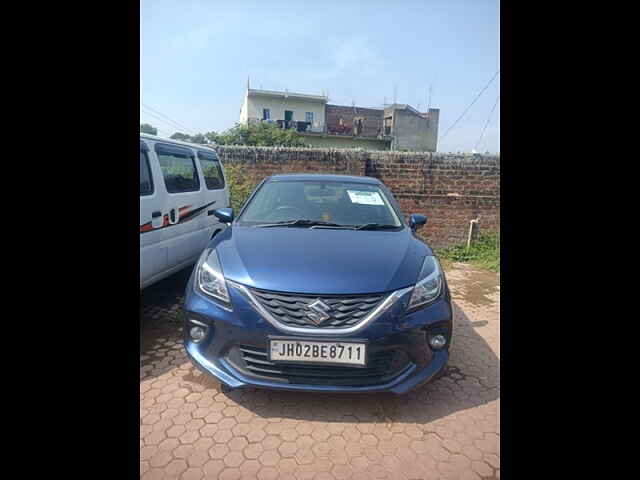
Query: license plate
{"type": "Point", "coordinates": [303, 351]}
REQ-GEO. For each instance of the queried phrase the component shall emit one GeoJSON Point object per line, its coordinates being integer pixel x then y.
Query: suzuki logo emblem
{"type": "Point", "coordinates": [318, 313]}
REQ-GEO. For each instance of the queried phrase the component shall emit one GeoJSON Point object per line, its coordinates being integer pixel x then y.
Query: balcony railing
{"type": "Point", "coordinates": [346, 130]}
{"type": "Point", "coordinates": [291, 124]}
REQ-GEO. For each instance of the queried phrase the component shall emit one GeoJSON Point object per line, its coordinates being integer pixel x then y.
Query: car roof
{"type": "Point", "coordinates": [300, 177]}
{"type": "Point", "coordinates": [148, 136]}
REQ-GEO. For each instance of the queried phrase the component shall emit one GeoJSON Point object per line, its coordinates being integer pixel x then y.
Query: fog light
{"type": "Point", "coordinates": [437, 341]}
{"type": "Point", "coordinates": [197, 333]}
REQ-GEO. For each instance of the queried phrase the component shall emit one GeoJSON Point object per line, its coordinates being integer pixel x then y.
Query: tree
{"type": "Point", "coordinates": [199, 138]}
{"type": "Point", "coordinates": [260, 134]}
{"type": "Point", "coordinates": [183, 137]}
{"type": "Point", "coordinates": [146, 128]}
{"type": "Point", "coordinates": [212, 137]}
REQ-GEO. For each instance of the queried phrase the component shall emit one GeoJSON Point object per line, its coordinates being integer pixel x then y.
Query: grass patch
{"type": "Point", "coordinates": [484, 253]}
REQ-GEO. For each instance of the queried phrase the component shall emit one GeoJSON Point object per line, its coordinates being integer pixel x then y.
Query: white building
{"type": "Point", "coordinates": [395, 127]}
{"type": "Point", "coordinates": [283, 108]}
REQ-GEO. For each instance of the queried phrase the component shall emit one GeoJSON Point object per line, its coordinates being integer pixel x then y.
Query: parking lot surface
{"type": "Point", "coordinates": [448, 429]}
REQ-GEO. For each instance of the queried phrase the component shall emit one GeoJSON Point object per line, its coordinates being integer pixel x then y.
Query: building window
{"type": "Point", "coordinates": [387, 125]}
{"type": "Point", "coordinates": [266, 114]}
{"type": "Point", "coordinates": [288, 118]}
{"type": "Point", "coordinates": [309, 117]}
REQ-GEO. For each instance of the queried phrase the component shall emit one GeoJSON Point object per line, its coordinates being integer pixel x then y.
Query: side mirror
{"type": "Point", "coordinates": [416, 221]}
{"type": "Point", "coordinates": [225, 215]}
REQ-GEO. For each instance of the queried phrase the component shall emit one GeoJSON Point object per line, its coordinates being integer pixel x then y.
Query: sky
{"type": "Point", "coordinates": [196, 56]}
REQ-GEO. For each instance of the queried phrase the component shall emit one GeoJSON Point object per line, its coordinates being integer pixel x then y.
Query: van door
{"type": "Point", "coordinates": [215, 193]}
{"type": "Point", "coordinates": [153, 258]}
{"type": "Point", "coordinates": [184, 200]}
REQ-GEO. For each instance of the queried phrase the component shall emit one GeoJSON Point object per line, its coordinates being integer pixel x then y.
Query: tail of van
{"type": "Point", "coordinates": [181, 184]}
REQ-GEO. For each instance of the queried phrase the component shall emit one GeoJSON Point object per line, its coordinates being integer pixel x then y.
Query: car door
{"type": "Point", "coordinates": [215, 194]}
{"type": "Point", "coordinates": [184, 196]}
{"type": "Point", "coordinates": [153, 258]}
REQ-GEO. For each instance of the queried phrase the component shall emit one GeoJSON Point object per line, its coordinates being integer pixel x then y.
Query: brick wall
{"type": "Point", "coordinates": [449, 189]}
{"type": "Point", "coordinates": [372, 118]}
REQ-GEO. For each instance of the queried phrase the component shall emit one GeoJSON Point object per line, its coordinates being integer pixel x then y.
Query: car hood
{"type": "Point", "coordinates": [319, 260]}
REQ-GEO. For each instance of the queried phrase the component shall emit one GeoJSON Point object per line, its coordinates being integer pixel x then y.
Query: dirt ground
{"type": "Point", "coordinates": [448, 429]}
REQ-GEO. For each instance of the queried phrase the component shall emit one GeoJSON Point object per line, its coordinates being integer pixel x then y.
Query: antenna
{"type": "Point", "coordinates": [395, 93]}
{"type": "Point", "coordinates": [247, 82]}
{"type": "Point", "coordinates": [427, 116]}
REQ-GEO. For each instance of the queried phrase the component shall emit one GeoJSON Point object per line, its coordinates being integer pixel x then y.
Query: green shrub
{"type": "Point", "coordinates": [260, 134]}
{"type": "Point", "coordinates": [240, 186]}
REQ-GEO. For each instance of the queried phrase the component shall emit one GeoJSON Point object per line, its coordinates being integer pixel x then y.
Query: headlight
{"type": "Point", "coordinates": [209, 278]}
{"type": "Point", "coordinates": [430, 285]}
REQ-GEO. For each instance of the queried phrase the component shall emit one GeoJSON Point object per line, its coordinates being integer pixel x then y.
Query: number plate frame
{"type": "Point", "coordinates": [318, 340]}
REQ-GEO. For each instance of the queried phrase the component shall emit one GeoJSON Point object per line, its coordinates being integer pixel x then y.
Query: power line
{"type": "Point", "coordinates": [165, 122]}
{"type": "Point", "coordinates": [181, 126]}
{"type": "Point", "coordinates": [178, 124]}
{"type": "Point", "coordinates": [471, 104]}
{"type": "Point", "coordinates": [488, 120]}
{"type": "Point", "coordinates": [172, 126]}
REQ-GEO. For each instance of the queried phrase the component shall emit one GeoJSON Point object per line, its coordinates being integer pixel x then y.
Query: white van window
{"type": "Point", "coordinates": [211, 170]}
{"type": "Point", "coordinates": [146, 181]}
{"type": "Point", "coordinates": [178, 168]}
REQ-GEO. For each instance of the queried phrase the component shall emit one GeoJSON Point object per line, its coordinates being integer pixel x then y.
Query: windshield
{"type": "Point", "coordinates": [321, 203]}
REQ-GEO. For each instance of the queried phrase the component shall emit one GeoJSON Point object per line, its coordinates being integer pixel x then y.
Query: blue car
{"type": "Point", "coordinates": [319, 284]}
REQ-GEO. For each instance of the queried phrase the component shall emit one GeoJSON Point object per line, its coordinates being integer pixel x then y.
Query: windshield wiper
{"type": "Point", "coordinates": [299, 222]}
{"type": "Point", "coordinates": [374, 226]}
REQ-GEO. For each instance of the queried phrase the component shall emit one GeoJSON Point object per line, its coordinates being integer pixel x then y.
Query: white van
{"type": "Point", "coordinates": [181, 184]}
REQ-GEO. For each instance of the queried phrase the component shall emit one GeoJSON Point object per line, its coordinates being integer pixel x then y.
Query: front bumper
{"type": "Point", "coordinates": [404, 336]}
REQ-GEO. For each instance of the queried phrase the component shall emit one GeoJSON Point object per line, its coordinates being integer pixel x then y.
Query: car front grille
{"type": "Point", "coordinates": [293, 309]}
{"type": "Point", "coordinates": [382, 366]}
